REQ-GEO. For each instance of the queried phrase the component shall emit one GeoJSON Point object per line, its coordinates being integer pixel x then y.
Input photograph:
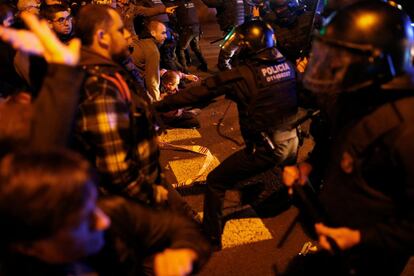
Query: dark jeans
{"type": "Point", "coordinates": [190, 36]}
{"type": "Point", "coordinates": [239, 166]}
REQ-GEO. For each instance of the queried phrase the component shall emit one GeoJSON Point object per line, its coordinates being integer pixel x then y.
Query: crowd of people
{"type": "Point", "coordinates": [87, 88]}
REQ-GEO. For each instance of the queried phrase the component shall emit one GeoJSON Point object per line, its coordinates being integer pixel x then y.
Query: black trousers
{"type": "Point", "coordinates": [239, 166]}
{"type": "Point", "coordinates": [190, 36]}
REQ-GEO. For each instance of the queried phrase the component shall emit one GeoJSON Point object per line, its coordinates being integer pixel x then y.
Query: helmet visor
{"type": "Point", "coordinates": [333, 69]}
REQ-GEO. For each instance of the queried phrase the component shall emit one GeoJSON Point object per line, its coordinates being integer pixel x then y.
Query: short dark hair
{"type": "Point", "coordinates": [89, 19]}
{"type": "Point", "coordinates": [39, 191]}
{"type": "Point", "coordinates": [48, 11]}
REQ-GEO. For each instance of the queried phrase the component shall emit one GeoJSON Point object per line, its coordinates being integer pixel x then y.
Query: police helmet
{"type": "Point", "coordinates": [363, 44]}
{"type": "Point", "coordinates": [251, 39]}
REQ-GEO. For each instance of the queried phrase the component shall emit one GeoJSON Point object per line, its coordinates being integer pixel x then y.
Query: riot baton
{"type": "Point", "coordinates": [217, 40]}
{"type": "Point", "coordinates": [311, 206]}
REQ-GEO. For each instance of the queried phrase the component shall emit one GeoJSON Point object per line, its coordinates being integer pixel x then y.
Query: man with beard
{"type": "Point", "coordinates": [114, 128]}
{"type": "Point", "coordinates": [361, 74]}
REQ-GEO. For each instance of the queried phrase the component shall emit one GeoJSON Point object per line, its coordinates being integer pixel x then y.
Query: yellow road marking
{"type": "Point", "coordinates": [179, 134]}
{"type": "Point", "coordinates": [243, 231]}
{"type": "Point", "coordinates": [184, 169]}
{"type": "Point", "coordinates": [236, 231]}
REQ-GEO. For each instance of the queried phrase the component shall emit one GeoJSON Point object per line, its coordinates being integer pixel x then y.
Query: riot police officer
{"type": "Point", "coordinates": [293, 26]}
{"type": "Point", "coordinates": [360, 72]}
{"type": "Point", "coordinates": [264, 88]}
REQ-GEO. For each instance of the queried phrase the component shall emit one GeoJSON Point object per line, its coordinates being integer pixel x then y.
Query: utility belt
{"type": "Point", "coordinates": [268, 138]}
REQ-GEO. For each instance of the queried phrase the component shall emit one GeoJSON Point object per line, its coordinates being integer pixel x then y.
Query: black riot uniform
{"type": "Point", "coordinates": [293, 38]}
{"type": "Point", "coordinates": [229, 13]}
{"type": "Point", "coordinates": [187, 24]}
{"type": "Point", "coordinates": [363, 80]}
{"type": "Point", "coordinates": [293, 26]}
{"type": "Point", "coordinates": [264, 88]}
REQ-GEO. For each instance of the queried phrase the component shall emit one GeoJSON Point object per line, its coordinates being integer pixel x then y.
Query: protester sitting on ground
{"type": "Point", "coordinates": [179, 118]}
{"type": "Point", "coordinates": [53, 224]}
{"type": "Point", "coordinates": [146, 57]}
{"type": "Point", "coordinates": [182, 75]}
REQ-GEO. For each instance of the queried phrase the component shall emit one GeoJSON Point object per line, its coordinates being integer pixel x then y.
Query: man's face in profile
{"type": "Point", "coordinates": [81, 236]}
{"type": "Point", "coordinates": [120, 37]}
{"type": "Point", "coordinates": [159, 33]}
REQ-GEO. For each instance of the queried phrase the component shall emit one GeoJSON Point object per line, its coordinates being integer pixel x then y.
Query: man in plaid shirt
{"type": "Point", "coordinates": [114, 126]}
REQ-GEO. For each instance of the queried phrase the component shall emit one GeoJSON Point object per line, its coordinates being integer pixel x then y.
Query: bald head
{"type": "Point", "coordinates": [158, 31]}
